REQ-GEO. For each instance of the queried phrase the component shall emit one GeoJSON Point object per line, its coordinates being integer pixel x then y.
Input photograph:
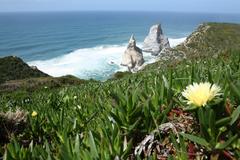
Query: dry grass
{"type": "Point", "coordinates": [12, 123]}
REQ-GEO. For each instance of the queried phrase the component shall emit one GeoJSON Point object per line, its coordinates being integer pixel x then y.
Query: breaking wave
{"type": "Point", "coordinates": [98, 62]}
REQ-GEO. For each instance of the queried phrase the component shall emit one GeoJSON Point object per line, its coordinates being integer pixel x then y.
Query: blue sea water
{"type": "Point", "coordinates": [89, 44]}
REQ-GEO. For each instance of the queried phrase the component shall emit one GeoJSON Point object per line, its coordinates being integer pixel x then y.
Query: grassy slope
{"type": "Point", "coordinates": [12, 68]}
{"type": "Point", "coordinates": [32, 84]}
{"type": "Point", "coordinates": [17, 75]}
{"type": "Point", "coordinates": [212, 39]}
{"type": "Point", "coordinates": [77, 122]}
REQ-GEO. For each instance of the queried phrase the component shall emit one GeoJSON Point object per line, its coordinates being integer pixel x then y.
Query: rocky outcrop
{"type": "Point", "coordinates": [34, 67]}
{"type": "Point", "coordinates": [170, 54]}
{"type": "Point", "coordinates": [155, 42]}
{"type": "Point", "coordinates": [132, 57]}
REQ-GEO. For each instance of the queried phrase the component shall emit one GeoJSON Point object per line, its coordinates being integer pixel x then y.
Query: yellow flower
{"type": "Point", "coordinates": [34, 114]}
{"type": "Point", "coordinates": [200, 93]}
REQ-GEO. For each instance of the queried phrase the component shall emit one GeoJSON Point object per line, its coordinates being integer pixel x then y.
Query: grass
{"type": "Point", "coordinates": [31, 84]}
{"type": "Point", "coordinates": [17, 75]}
{"type": "Point", "coordinates": [212, 39]}
{"type": "Point", "coordinates": [109, 120]}
{"type": "Point", "coordinates": [12, 68]}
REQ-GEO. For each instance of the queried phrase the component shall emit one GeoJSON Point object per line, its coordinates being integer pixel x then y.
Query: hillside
{"type": "Point", "coordinates": [208, 40]}
{"type": "Point", "coordinates": [212, 39]}
{"type": "Point", "coordinates": [15, 74]}
{"type": "Point", "coordinates": [138, 116]}
{"type": "Point", "coordinates": [12, 68]}
{"type": "Point", "coordinates": [32, 84]}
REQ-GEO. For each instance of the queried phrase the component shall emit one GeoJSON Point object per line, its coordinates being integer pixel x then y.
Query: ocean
{"type": "Point", "coordinates": [90, 44]}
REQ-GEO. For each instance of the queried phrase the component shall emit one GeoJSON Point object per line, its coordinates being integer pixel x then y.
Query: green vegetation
{"type": "Point", "coordinates": [17, 75]}
{"type": "Point", "coordinates": [210, 39]}
{"type": "Point", "coordinates": [139, 116]}
{"type": "Point", "coordinates": [12, 68]}
{"type": "Point", "coordinates": [119, 75]}
{"type": "Point", "coordinates": [31, 84]}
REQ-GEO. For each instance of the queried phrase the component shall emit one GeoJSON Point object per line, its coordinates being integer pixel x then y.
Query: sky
{"type": "Point", "coordinates": [210, 6]}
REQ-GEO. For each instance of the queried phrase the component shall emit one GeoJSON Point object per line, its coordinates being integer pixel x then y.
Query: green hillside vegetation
{"type": "Point", "coordinates": [138, 116]}
{"type": "Point", "coordinates": [15, 74]}
{"type": "Point", "coordinates": [32, 84]}
{"type": "Point", "coordinates": [212, 39]}
{"type": "Point", "coordinates": [12, 68]}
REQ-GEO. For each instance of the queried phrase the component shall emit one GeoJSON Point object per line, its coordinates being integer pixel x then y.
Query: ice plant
{"type": "Point", "coordinates": [199, 94]}
{"type": "Point", "coordinates": [34, 114]}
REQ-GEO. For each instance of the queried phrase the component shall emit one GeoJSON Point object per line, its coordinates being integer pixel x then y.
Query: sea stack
{"type": "Point", "coordinates": [155, 42]}
{"type": "Point", "coordinates": [132, 57]}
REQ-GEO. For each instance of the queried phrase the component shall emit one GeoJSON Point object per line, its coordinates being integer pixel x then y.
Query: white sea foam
{"type": "Point", "coordinates": [174, 42]}
{"type": "Point", "coordinates": [97, 62]}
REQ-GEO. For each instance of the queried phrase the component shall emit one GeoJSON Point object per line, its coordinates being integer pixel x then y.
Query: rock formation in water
{"type": "Point", "coordinates": [132, 57]}
{"type": "Point", "coordinates": [155, 42]}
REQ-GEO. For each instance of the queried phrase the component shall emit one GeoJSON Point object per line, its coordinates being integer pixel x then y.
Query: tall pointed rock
{"type": "Point", "coordinates": [155, 42]}
{"type": "Point", "coordinates": [132, 57]}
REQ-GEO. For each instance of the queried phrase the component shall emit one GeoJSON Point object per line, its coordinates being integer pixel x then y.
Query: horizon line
{"type": "Point", "coordinates": [131, 11]}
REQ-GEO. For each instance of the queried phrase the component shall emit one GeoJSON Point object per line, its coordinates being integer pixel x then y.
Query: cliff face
{"type": "Point", "coordinates": [12, 68]}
